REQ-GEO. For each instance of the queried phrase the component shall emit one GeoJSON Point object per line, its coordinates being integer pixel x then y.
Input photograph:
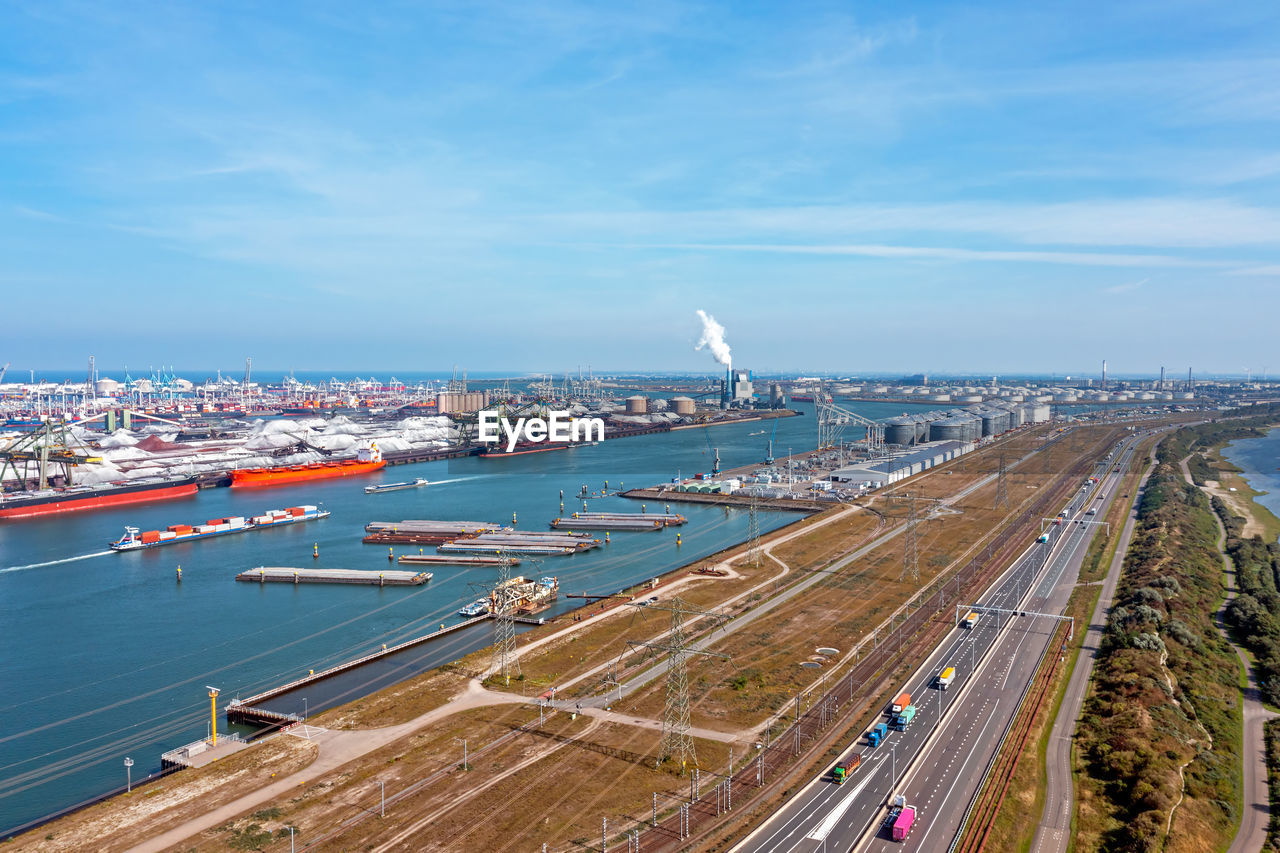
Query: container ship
{"type": "Point", "coordinates": [132, 540]}
{"type": "Point", "coordinates": [365, 462]}
{"type": "Point", "coordinates": [72, 498]}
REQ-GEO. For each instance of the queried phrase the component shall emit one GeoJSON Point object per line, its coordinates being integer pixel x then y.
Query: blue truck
{"type": "Point", "coordinates": [876, 736]}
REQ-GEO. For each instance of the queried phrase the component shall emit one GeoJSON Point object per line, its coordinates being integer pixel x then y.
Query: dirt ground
{"type": "Point", "coordinates": [118, 823]}
{"type": "Point", "coordinates": [557, 784]}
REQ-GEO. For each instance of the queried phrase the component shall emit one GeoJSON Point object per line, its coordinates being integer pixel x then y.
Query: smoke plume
{"type": "Point", "coordinates": [713, 338]}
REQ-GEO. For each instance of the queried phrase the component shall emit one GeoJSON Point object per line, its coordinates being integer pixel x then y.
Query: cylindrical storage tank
{"type": "Point", "coordinates": [997, 421]}
{"type": "Point", "coordinates": [637, 405]}
{"type": "Point", "coordinates": [900, 431]}
{"type": "Point", "coordinates": [947, 429]}
{"type": "Point", "coordinates": [682, 405]}
{"type": "Point", "coordinates": [972, 427]}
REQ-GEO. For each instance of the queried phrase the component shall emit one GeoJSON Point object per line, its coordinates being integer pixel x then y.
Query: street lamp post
{"type": "Point", "coordinates": [464, 751]}
{"type": "Point", "coordinates": [383, 810]}
{"type": "Point", "coordinates": [304, 708]}
{"type": "Point", "coordinates": [128, 774]}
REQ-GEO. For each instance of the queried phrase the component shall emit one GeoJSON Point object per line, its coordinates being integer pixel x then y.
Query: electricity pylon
{"type": "Point", "coordinates": [1002, 487]}
{"type": "Point", "coordinates": [677, 743]}
{"type": "Point", "coordinates": [911, 546]}
{"type": "Point", "coordinates": [753, 532]}
{"type": "Point", "coordinates": [502, 604]}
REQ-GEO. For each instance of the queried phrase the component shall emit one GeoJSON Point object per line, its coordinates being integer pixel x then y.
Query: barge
{"type": "Point", "coordinates": [132, 540]}
{"type": "Point", "coordinates": [396, 487]}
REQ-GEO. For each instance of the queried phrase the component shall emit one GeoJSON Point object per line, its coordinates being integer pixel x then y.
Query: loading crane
{"type": "Point", "coordinates": [4, 370]}
{"type": "Point", "coordinates": [51, 445]}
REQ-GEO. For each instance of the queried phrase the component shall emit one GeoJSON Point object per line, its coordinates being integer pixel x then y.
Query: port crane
{"type": "Point", "coordinates": [51, 445]}
{"type": "Point", "coordinates": [4, 370]}
{"type": "Point", "coordinates": [833, 419]}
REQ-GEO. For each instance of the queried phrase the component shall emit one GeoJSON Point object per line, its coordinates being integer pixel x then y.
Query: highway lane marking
{"type": "Point", "coordinates": [1007, 590]}
{"type": "Point", "coordinates": [956, 778]}
{"type": "Point", "coordinates": [823, 829]}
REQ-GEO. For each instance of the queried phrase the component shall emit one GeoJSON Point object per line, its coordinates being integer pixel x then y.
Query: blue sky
{"type": "Point", "coordinates": [533, 186]}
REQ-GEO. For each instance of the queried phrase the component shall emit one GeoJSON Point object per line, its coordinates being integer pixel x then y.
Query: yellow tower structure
{"type": "Point", "coordinates": [213, 713]}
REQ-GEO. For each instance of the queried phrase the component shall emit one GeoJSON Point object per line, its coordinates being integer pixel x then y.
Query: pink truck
{"type": "Point", "coordinates": [906, 819]}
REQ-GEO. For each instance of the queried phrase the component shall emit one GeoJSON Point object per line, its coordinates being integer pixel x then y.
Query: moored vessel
{"type": "Point", "coordinates": [366, 461]}
{"type": "Point", "coordinates": [73, 498]}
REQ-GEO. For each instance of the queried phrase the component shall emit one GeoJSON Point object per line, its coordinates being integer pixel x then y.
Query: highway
{"type": "Point", "coordinates": [938, 762]}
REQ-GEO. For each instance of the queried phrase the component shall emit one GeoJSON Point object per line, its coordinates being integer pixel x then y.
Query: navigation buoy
{"type": "Point", "coordinates": [606, 541]}
{"type": "Point", "coordinates": [315, 551]}
{"type": "Point", "coordinates": [513, 519]}
{"type": "Point", "coordinates": [179, 574]}
{"type": "Point", "coordinates": [677, 538]}
{"type": "Point", "coordinates": [391, 554]}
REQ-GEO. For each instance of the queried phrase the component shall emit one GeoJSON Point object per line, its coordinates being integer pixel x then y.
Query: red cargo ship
{"type": "Point", "coordinates": [73, 498]}
{"type": "Point", "coordinates": [365, 462]}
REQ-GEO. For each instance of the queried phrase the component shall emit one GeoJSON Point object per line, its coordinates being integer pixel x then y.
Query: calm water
{"type": "Point", "coordinates": [105, 655]}
{"type": "Point", "coordinates": [1260, 459]}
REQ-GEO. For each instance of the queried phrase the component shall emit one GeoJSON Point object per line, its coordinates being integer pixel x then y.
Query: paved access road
{"type": "Point", "coordinates": [938, 761]}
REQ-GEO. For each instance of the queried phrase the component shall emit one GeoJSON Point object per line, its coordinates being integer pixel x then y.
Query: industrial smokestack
{"type": "Point", "coordinates": [713, 339]}
{"type": "Point", "coordinates": [1104, 374]}
{"type": "Point", "coordinates": [1162, 377]}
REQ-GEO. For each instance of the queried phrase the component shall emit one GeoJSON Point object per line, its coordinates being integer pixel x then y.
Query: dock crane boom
{"type": "Point", "coordinates": [4, 370]}
{"type": "Point", "coordinates": [47, 446]}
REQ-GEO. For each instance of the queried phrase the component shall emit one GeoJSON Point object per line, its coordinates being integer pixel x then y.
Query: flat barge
{"type": "Point", "coordinates": [284, 574]}
{"type": "Point", "coordinates": [618, 521]}
{"type": "Point", "coordinates": [424, 531]}
{"type": "Point", "coordinates": [453, 560]}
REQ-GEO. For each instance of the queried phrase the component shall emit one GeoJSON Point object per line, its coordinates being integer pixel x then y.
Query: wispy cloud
{"type": "Point", "coordinates": [948, 253]}
{"type": "Point", "coordinates": [1126, 287]}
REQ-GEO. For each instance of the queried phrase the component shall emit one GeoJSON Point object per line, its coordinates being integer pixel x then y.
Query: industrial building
{"type": "Point", "coordinates": [875, 473]}
{"type": "Point", "coordinates": [461, 401]}
{"type": "Point", "coordinates": [737, 389]}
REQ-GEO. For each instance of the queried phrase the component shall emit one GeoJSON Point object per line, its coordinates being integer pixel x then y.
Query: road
{"type": "Point", "coordinates": [1054, 832]}
{"type": "Point", "coordinates": [938, 761]}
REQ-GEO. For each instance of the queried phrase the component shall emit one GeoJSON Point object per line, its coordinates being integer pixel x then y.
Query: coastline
{"type": "Point", "coordinates": [1246, 497]}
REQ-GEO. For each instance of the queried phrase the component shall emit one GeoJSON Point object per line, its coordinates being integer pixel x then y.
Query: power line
{"type": "Point", "coordinates": [677, 742]}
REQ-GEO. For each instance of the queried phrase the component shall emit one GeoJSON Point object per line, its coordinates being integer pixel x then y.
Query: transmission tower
{"type": "Point", "coordinates": [677, 743]}
{"type": "Point", "coordinates": [1002, 487]}
{"type": "Point", "coordinates": [753, 532]}
{"type": "Point", "coordinates": [911, 546]}
{"type": "Point", "coordinates": [502, 604]}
